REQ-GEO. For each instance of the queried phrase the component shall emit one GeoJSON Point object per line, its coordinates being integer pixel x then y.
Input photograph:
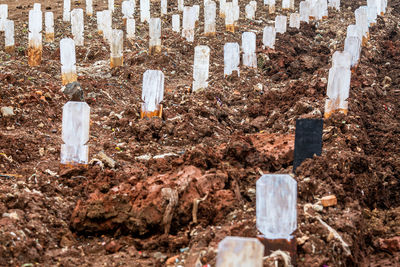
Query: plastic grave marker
{"type": "Point", "coordinates": [128, 10]}
{"type": "Point", "coordinates": [210, 12]}
{"type": "Point", "coordinates": [67, 11]}
{"type": "Point", "coordinates": [269, 35]}
{"type": "Point", "coordinates": [130, 28]}
{"type": "Point", "coordinates": [250, 12]}
{"type": "Point", "coordinates": [361, 15]}
{"type": "Point", "coordinates": [9, 42]}
{"type": "Point", "coordinates": [152, 93]}
{"type": "Point", "coordinates": [201, 67]}
{"type": "Point", "coordinates": [236, 13]}
{"type": "Point", "coordinates": [304, 11]}
{"type": "Point", "coordinates": [280, 24]}
{"type": "Point", "coordinates": [144, 10]}
{"type": "Point", "coordinates": [68, 61]}
{"type": "Point", "coordinates": [249, 49]}
{"type": "Point", "coordinates": [222, 4]}
{"type": "Point", "coordinates": [37, 6]}
{"type": "Point", "coordinates": [107, 25]}
{"type": "Point", "coordinates": [164, 7]}
{"type": "Point", "coordinates": [229, 17]}
{"type": "Point", "coordinates": [75, 133]}
{"type": "Point", "coordinates": [77, 26]}
{"type": "Point", "coordinates": [294, 20]}
{"type": "Point", "coordinates": [240, 251]}
{"type": "Point", "coordinates": [285, 4]}
{"type": "Point", "coordinates": [276, 211]}
{"type": "Point", "coordinates": [181, 5]}
{"type": "Point", "coordinates": [188, 23]}
{"type": "Point", "coordinates": [334, 4]}
{"type": "Point", "coordinates": [231, 59]}
{"type": "Point", "coordinates": [338, 84]}
{"type": "Point", "coordinates": [324, 9]}
{"type": "Point", "coordinates": [155, 36]}
{"type": "Point", "coordinates": [176, 23]}
{"type": "Point", "coordinates": [111, 5]}
{"type": "Point", "coordinates": [35, 38]}
{"type": "Point", "coordinates": [372, 15]}
{"type": "Point", "coordinates": [99, 18]}
{"type": "Point", "coordinates": [308, 140]}
{"type": "Point", "coordinates": [89, 8]}
{"type": "Point", "coordinates": [3, 16]}
{"type": "Point", "coordinates": [353, 46]}
{"type": "Point", "coordinates": [254, 4]}
{"type": "Point", "coordinates": [197, 11]}
{"type": "Point", "coordinates": [49, 26]}
{"type": "Point", "coordinates": [116, 48]}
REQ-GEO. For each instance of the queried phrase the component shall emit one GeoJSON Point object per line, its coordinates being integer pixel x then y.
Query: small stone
{"type": "Point", "coordinates": [7, 111]}
{"type": "Point", "coordinates": [329, 201]}
{"type": "Point", "coordinates": [172, 260]}
{"type": "Point", "coordinates": [11, 215]}
{"type": "Point", "coordinates": [106, 160]}
{"type": "Point", "coordinates": [113, 247]}
{"type": "Point", "coordinates": [41, 151]}
{"type": "Point", "coordinates": [40, 125]}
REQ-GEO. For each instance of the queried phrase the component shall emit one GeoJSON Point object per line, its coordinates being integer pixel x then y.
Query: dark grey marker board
{"type": "Point", "coordinates": [308, 140]}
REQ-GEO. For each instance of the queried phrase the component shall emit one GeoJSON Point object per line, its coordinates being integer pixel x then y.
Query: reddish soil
{"type": "Point", "coordinates": [207, 151]}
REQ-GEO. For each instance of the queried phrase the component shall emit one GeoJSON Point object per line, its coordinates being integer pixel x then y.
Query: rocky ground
{"type": "Point", "coordinates": [165, 191]}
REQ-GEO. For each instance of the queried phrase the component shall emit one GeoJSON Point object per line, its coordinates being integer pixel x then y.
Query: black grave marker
{"type": "Point", "coordinates": [308, 140]}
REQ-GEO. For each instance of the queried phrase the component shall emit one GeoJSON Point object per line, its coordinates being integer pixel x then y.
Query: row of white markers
{"type": "Point", "coordinates": [276, 195]}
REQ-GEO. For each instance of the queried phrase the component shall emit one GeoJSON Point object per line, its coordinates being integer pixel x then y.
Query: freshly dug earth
{"type": "Point", "coordinates": [165, 191]}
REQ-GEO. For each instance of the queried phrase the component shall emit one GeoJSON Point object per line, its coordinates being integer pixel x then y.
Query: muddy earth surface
{"type": "Point", "coordinates": [165, 191]}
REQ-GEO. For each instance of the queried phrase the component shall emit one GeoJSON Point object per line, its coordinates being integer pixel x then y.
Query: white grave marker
{"type": "Point", "coordinates": [239, 252]}
{"type": "Point", "coordinates": [229, 17]}
{"type": "Point", "coordinates": [231, 58]}
{"type": "Point", "coordinates": [152, 93]}
{"type": "Point", "coordinates": [107, 25]}
{"type": "Point", "coordinates": [116, 48]}
{"type": "Point", "coordinates": [269, 36]}
{"type": "Point", "coordinates": [99, 17]}
{"type": "Point", "coordinates": [250, 12]}
{"type": "Point", "coordinates": [77, 26]}
{"type": "Point", "coordinates": [89, 8]}
{"type": "Point", "coordinates": [35, 38]}
{"type": "Point", "coordinates": [249, 49]}
{"type": "Point", "coordinates": [353, 46]}
{"type": "Point", "coordinates": [181, 5]}
{"type": "Point", "coordinates": [155, 36]}
{"type": "Point", "coordinates": [222, 4]}
{"type": "Point", "coordinates": [128, 10]}
{"type": "Point", "coordinates": [130, 28]}
{"type": "Point", "coordinates": [334, 4]}
{"type": "Point", "coordinates": [111, 5]}
{"type": "Point", "coordinates": [201, 67]}
{"type": "Point", "coordinates": [3, 16]}
{"type": "Point", "coordinates": [67, 11]}
{"type": "Point", "coordinates": [338, 84]}
{"type": "Point", "coordinates": [144, 10]}
{"type": "Point", "coordinates": [361, 14]}
{"type": "Point", "coordinates": [68, 61]}
{"type": "Point", "coordinates": [188, 23]}
{"type": "Point", "coordinates": [280, 24]}
{"type": "Point", "coordinates": [176, 23]}
{"type": "Point", "coordinates": [9, 42]}
{"type": "Point", "coordinates": [75, 133]}
{"type": "Point", "coordinates": [294, 21]}
{"type": "Point", "coordinates": [210, 12]}
{"type": "Point", "coordinates": [164, 7]}
{"type": "Point", "coordinates": [304, 10]}
{"type": "Point", "coordinates": [49, 26]}
{"type": "Point", "coordinates": [276, 206]}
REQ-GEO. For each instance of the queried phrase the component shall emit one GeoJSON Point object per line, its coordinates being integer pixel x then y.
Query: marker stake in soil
{"type": "Point", "coordinates": [164, 7]}
{"type": "Point", "coordinates": [249, 49]}
{"type": "Point", "coordinates": [3, 16]}
{"type": "Point", "coordinates": [338, 83]}
{"type": "Point", "coordinates": [89, 8]}
{"type": "Point", "coordinates": [269, 36]}
{"type": "Point", "coordinates": [276, 211]}
{"type": "Point", "coordinates": [49, 26]}
{"type": "Point", "coordinates": [280, 24]}
{"type": "Point", "coordinates": [210, 12]}
{"type": "Point", "coordinates": [240, 251]}
{"type": "Point", "coordinates": [176, 23]}
{"type": "Point", "coordinates": [128, 10]}
{"type": "Point", "coordinates": [117, 47]}
{"type": "Point", "coordinates": [304, 10]}
{"type": "Point", "coordinates": [201, 67]}
{"type": "Point", "coordinates": [188, 23]}
{"type": "Point", "coordinates": [77, 26]}
{"type": "Point", "coordinates": [9, 42]}
{"type": "Point", "coordinates": [75, 133]}
{"type": "Point", "coordinates": [68, 61]}
{"type": "Point", "coordinates": [152, 93]}
{"type": "Point", "coordinates": [250, 12]}
{"type": "Point", "coordinates": [231, 59]}
{"type": "Point", "coordinates": [155, 36]}
{"type": "Point", "coordinates": [294, 20]}
{"type": "Point", "coordinates": [67, 11]}
{"type": "Point", "coordinates": [144, 10]}
{"type": "Point", "coordinates": [35, 38]}
{"type": "Point", "coordinates": [130, 29]}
